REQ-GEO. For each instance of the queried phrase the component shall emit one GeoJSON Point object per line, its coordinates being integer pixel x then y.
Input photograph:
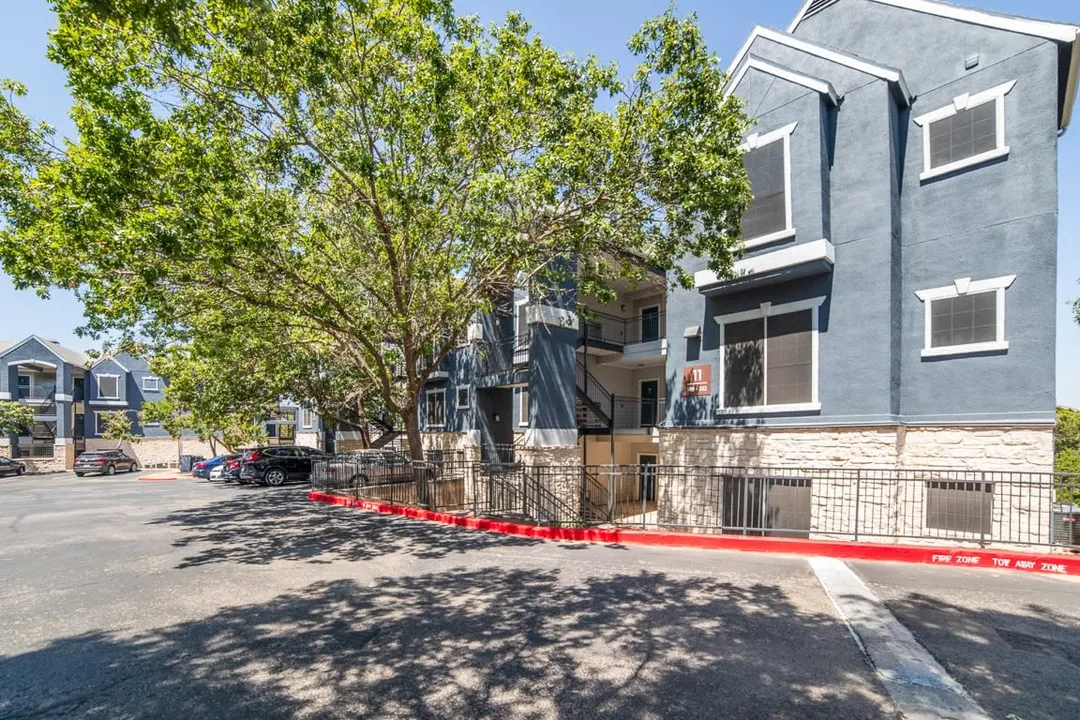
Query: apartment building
{"type": "Point", "coordinates": [894, 305]}
{"type": "Point", "coordinates": [72, 397]}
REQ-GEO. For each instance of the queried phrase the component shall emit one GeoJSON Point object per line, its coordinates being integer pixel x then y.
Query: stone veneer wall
{"type": "Point", "coordinates": [156, 452]}
{"type": "Point", "coordinates": [307, 438]}
{"type": "Point", "coordinates": [446, 441]}
{"type": "Point", "coordinates": [889, 503]}
{"type": "Point", "coordinates": [544, 464]}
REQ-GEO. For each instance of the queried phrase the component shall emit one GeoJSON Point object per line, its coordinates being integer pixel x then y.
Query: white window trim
{"type": "Point", "coordinates": [157, 384]}
{"type": "Point", "coordinates": [307, 418]}
{"type": "Point", "coordinates": [523, 407]}
{"type": "Point", "coordinates": [97, 381]}
{"type": "Point", "coordinates": [753, 142]}
{"type": "Point", "coordinates": [518, 330]}
{"type": "Point", "coordinates": [965, 286]}
{"type": "Point", "coordinates": [766, 310]}
{"type": "Point", "coordinates": [427, 409]}
{"type": "Point", "coordinates": [457, 399]}
{"type": "Point", "coordinates": [966, 102]}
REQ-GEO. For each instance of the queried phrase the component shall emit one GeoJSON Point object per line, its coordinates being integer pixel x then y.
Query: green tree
{"type": "Point", "coordinates": [119, 428]}
{"type": "Point", "coordinates": [1067, 452]}
{"type": "Point", "coordinates": [15, 417]}
{"type": "Point", "coordinates": [356, 179]}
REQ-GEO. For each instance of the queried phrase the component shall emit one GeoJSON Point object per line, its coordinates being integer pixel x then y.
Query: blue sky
{"type": "Point", "coordinates": [581, 27]}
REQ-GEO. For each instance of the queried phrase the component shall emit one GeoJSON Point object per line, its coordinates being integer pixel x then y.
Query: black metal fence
{"type": "Point", "coordinates": [961, 506]}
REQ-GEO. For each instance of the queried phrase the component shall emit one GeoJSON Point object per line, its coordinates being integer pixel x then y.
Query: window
{"type": "Point", "coordinates": [436, 409]}
{"type": "Point", "coordinates": [968, 131]}
{"type": "Point", "coordinates": [152, 384]}
{"type": "Point", "coordinates": [307, 417]}
{"type": "Point", "coordinates": [650, 324]}
{"type": "Point", "coordinates": [959, 507]}
{"type": "Point", "coordinates": [108, 387]}
{"type": "Point", "coordinates": [523, 407]}
{"type": "Point", "coordinates": [463, 398]}
{"type": "Point", "coordinates": [287, 432]}
{"type": "Point", "coordinates": [965, 317]}
{"type": "Point", "coordinates": [769, 362]}
{"type": "Point", "coordinates": [24, 387]}
{"type": "Point", "coordinates": [767, 159]}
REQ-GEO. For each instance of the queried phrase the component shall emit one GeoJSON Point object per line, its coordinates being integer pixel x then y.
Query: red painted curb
{"type": "Point", "coordinates": [1055, 564]}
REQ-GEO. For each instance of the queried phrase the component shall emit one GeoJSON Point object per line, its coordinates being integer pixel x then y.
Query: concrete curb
{"type": "Point", "coordinates": [1053, 564]}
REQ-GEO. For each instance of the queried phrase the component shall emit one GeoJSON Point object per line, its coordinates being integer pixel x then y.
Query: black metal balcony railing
{"type": "Point", "coordinates": [632, 413]}
{"type": "Point", "coordinates": [504, 354]}
{"type": "Point", "coordinates": [611, 330]}
{"type": "Point", "coordinates": [37, 392]}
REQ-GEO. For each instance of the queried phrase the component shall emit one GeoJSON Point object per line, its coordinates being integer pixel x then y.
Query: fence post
{"type": "Point", "coordinates": [858, 483]}
{"type": "Point", "coordinates": [982, 510]}
{"type": "Point", "coordinates": [611, 494]}
{"type": "Point", "coordinates": [745, 502]}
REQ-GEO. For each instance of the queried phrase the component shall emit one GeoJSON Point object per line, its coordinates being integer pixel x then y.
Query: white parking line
{"type": "Point", "coordinates": [917, 683]}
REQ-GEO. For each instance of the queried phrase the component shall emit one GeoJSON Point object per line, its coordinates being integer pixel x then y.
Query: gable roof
{"type": "Point", "coordinates": [1060, 32]}
{"type": "Point", "coordinates": [888, 74]}
{"type": "Point", "coordinates": [69, 356]}
{"type": "Point", "coordinates": [114, 359]}
{"type": "Point", "coordinates": [1065, 34]}
{"type": "Point", "coordinates": [753, 62]}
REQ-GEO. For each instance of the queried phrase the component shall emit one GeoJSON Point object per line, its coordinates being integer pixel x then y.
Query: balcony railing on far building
{"type": "Point", "coordinates": [604, 329]}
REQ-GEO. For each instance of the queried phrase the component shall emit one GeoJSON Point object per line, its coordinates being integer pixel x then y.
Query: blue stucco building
{"type": "Point", "coordinates": [895, 301]}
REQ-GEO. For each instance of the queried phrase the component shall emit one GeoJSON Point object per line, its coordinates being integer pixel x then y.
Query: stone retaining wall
{"type": "Point", "coordinates": [886, 505]}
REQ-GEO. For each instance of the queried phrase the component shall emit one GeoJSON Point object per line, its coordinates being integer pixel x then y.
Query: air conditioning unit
{"type": "Point", "coordinates": [1066, 526]}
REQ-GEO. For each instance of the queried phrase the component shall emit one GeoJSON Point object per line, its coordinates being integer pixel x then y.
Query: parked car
{"type": "Point", "coordinates": [279, 464]}
{"type": "Point", "coordinates": [215, 474]}
{"type": "Point", "coordinates": [106, 462]}
{"type": "Point", "coordinates": [11, 467]}
{"type": "Point", "coordinates": [366, 467]}
{"type": "Point", "coordinates": [230, 469]}
{"type": "Point", "coordinates": [202, 468]}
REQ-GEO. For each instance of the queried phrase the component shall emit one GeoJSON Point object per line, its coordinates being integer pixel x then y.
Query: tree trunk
{"type": "Point", "coordinates": [421, 472]}
{"type": "Point", "coordinates": [412, 433]}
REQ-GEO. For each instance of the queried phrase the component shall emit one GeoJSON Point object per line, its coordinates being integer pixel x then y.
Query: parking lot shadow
{"type": "Point", "coordinates": [486, 643]}
{"type": "Point", "coordinates": [1023, 662]}
{"type": "Point", "coordinates": [261, 527]}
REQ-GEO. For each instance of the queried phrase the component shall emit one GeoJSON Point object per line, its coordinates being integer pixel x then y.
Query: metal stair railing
{"type": "Point", "coordinates": [594, 396]}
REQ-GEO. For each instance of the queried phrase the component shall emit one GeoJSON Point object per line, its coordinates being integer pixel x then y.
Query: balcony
{"type": "Point", "coordinates": [505, 354]}
{"type": "Point", "coordinates": [641, 340]}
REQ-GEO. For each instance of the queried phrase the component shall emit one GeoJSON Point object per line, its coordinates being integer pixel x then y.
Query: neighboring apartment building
{"type": "Point", "coordinates": [895, 305]}
{"type": "Point", "coordinates": [123, 383]}
{"type": "Point", "coordinates": [49, 378]}
{"type": "Point", "coordinates": [72, 396]}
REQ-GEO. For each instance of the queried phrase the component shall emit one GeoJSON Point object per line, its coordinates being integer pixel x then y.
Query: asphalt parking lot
{"type": "Point", "coordinates": [186, 599]}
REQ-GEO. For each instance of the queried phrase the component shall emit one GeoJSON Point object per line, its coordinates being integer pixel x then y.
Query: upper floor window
{"type": "Point", "coordinates": [152, 384]}
{"type": "Point", "coordinates": [307, 417]}
{"type": "Point", "coordinates": [436, 409]}
{"type": "Point", "coordinates": [769, 360]}
{"type": "Point", "coordinates": [463, 398]}
{"type": "Point", "coordinates": [965, 317]}
{"type": "Point", "coordinates": [767, 159]}
{"type": "Point", "coordinates": [108, 387]}
{"type": "Point", "coordinates": [968, 131]}
{"type": "Point", "coordinates": [24, 387]}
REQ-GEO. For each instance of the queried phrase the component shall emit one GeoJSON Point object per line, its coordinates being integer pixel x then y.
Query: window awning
{"type": "Point", "coordinates": [802, 260]}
